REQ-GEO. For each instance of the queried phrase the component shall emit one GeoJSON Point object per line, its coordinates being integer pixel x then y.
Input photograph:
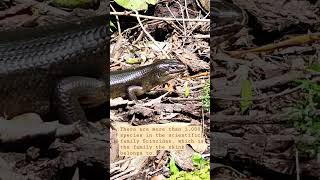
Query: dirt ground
{"type": "Point", "coordinates": [264, 119]}
{"type": "Point", "coordinates": [186, 41]}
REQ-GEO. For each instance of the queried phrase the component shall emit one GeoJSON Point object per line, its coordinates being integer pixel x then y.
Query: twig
{"type": "Point", "coordinates": [297, 164]}
{"type": "Point", "coordinates": [138, 38]}
{"type": "Point", "coordinates": [199, 36]}
{"type": "Point", "coordinates": [202, 121]}
{"type": "Point", "coordinates": [173, 15]}
{"type": "Point", "coordinates": [115, 52]}
{"type": "Point", "coordinates": [134, 27]}
{"type": "Point", "coordinates": [183, 99]}
{"type": "Point", "coordinates": [118, 22]}
{"type": "Point", "coordinates": [132, 119]}
{"type": "Point", "coordinates": [184, 25]}
{"type": "Point", "coordinates": [298, 40]}
{"type": "Point", "coordinates": [157, 18]}
{"type": "Point", "coordinates": [198, 24]}
{"type": "Point", "coordinates": [174, 26]}
{"type": "Point", "coordinates": [156, 101]}
{"type": "Point", "coordinates": [115, 169]}
{"type": "Point", "coordinates": [148, 34]}
{"type": "Point", "coordinates": [186, 6]}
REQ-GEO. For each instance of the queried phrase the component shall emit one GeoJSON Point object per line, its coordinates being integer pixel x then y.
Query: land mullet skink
{"type": "Point", "coordinates": [63, 69]}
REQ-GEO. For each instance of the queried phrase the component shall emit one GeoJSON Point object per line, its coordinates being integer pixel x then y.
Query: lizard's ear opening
{"type": "Point", "coordinates": [158, 75]}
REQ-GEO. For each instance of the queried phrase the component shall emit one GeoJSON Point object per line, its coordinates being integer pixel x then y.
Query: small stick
{"type": "Point", "coordinates": [183, 99]}
{"type": "Point", "coordinates": [173, 15]}
{"type": "Point", "coordinates": [157, 18]}
{"type": "Point", "coordinates": [138, 38]}
{"type": "Point", "coordinates": [298, 40]}
{"type": "Point", "coordinates": [297, 164]}
{"type": "Point", "coordinates": [118, 22]}
{"type": "Point", "coordinates": [186, 6]}
{"type": "Point", "coordinates": [148, 34]}
{"type": "Point", "coordinates": [199, 36]}
{"type": "Point", "coordinates": [174, 26]}
{"type": "Point", "coordinates": [184, 25]}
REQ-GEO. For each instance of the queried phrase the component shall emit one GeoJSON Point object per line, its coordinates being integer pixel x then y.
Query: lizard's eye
{"type": "Point", "coordinates": [172, 68]}
{"type": "Point", "coordinates": [158, 75]}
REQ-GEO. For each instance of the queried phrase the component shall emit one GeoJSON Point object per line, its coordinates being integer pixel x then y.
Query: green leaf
{"type": "Point", "coordinates": [314, 67]}
{"type": "Point", "coordinates": [199, 174]}
{"type": "Point", "coordinates": [173, 168]}
{"type": "Point", "coordinates": [153, 2]}
{"type": "Point", "coordinates": [205, 97]}
{"type": "Point", "coordinates": [112, 25]}
{"type": "Point", "coordinates": [197, 159]}
{"type": "Point", "coordinates": [133, 61]}
{"type": "Point", "coordinates": [135, 4]}
{"type": "Point", "coordinates": [246, 95]}
{"type": "Point", "coordinates": [186, 89]}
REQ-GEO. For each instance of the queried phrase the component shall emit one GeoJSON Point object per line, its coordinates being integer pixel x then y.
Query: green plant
{"type": "Point", "coordinates": [201, 173]}
{"type": "Point", "coordinates": [305, 115]}
{"type": "Point", "coordinates": [111, 26]}
{"type": "Point", "coordinates": [198, 161]}
{"type": "Point", "coordinates": [205, 97]}
{"type": "Point", "coordinates": [246, 95]}
{"type": "Point", "coordinates": [136, 4]}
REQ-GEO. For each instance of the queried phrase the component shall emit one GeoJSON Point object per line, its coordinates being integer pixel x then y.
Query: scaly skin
{"type": "Point", "coordinates": [136, 81]}
{"type": "Point", "coordinates": [34, 62]}
{"type": "Point", "coordinates": [63, 68]}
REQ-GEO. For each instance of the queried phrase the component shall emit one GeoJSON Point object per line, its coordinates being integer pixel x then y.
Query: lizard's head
{"type": "Point", "coordinates": [168, 69]}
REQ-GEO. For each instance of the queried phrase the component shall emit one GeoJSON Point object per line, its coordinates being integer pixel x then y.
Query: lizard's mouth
{"type": "Point", "coordinates": [177, 69]}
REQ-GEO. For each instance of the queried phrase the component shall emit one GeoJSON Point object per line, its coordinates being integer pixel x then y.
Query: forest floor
{"type": "Point", "coordinates": [176, 29]}
{"type": "Point", "coordinates": [138, 42]}
{"type": "Point", "coordinates": [265, 80]}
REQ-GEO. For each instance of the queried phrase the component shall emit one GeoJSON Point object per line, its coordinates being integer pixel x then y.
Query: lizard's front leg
{"type": "Point", "coordinates": [72, 93]}
{"type": "Point", "coordinates": [134, 91]}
